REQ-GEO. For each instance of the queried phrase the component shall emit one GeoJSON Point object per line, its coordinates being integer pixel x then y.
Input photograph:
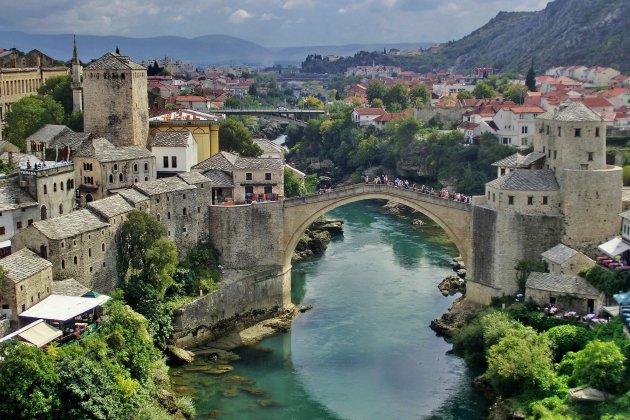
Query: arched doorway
{"type": "Point", "coordinates": [44, 213]}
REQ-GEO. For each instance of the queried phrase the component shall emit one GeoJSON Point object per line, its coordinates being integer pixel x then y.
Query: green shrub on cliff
{"type": "Point", "coordinates": [565, 338]}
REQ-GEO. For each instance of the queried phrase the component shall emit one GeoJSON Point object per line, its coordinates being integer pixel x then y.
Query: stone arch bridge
{"type": "Point", "coordinates": [453, 216]}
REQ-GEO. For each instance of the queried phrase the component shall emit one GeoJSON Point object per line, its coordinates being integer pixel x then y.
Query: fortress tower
{"type": "Point", "coordinates": [77, 80]}
{"type": "Point", "coordinates": [115, 100]}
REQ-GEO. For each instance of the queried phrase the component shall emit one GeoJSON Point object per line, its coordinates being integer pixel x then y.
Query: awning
{"type": "Point", "coordinates": [614, 247]}
{"type": "Point", "coordinates": [62, 308]}
{"type": "Point", "coordinates": [37, 333]}
{"type": "Point", "coordinates": [622, 298]}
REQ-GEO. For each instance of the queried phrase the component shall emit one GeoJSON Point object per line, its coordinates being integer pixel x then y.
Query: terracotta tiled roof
{"type": "Point", "coordinates": [369, 111]}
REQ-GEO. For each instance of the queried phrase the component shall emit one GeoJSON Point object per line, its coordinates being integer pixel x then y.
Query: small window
{"type": "Point", "coordinates": [173, 161]}
{"type": "Point", "coordinates": [90, 269]}
{"type": "Point", "coordinates": [75, 260]}
{"type": "Point", "coordinates": [158, 217]}
{"type": "Point", "coordinates": [547, 131]}
{"type": "Point", "coordinates": [524, 130]}
{"type": "Point", "coordinates": [103, 246]}
{"type": "Point", "coordinates": [590, 156]}
{"type": "Point", "coordinates": [19, 225]}
{"type": "Point", "coordinates": [55, 187]}
{"type": "Point", "coordinates": [578, 132]}
{"type": "Point", "coordinates": [168, 215]}
{"type": "Point", "coordinates": [559, 131]}
{"type": "Point", "coordinates": [555, 154]}
{"type": "Point", "coordinates": [135, 167]}
{"type": "Point", "coordinates": [545, 199]}
{"type": "Point", "coordinates": [60, 208]}
{"type": "Point", "coordinates": [488, 195]}
{"type": "Point", "coordinates": [111, 178]}
{"type": "Point", "coordinates": [120, 177]}
{"type": "Point", "coordinates": [502, 171]}
{"type": "Point", "coordinates": [530, 200]}
{"type": "Point", "coordinates": [63, 244]}
{"type": "Point", "coordinates": [63, 264]}
{"type": "Point", "coordinates": [248, 176]}
{"type": "Point", "coordinates": [184, 211]}
{"type": "Point", "coordinates": [146, 166]}
{"type": "Point", "coordinates": [115, 166]}
{"type": "Point", "coordinates": [184, 196]}
{"type": "Point", "coordinates": [2, 230]}
{"type": "Point", "coordinates": [185, 230]}
{"type": "Point", "coordinates": [267, 176]}
{"type": "Point", "coordinates": [165, 161]}
{"type": "Point", "coordinates": [61, 186]}
{"type": "Point", "coordinates": [74, 242]}
{"type": "Point", "coordinates": [494, 197]}
{"type": "Point", "coordinates": [596, 131]}
{"type": "Point", "coordinates": [89, 252]}
{"type": "Point", "coordinates": [198, 209]}
{"type": "Point", "coordinates": [45, 189]}
{"type": "Point", "coordinates": [510, 200]}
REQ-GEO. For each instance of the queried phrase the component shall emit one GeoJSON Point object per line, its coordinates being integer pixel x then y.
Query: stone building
{"type": "Point", "coordinates": [568, 293]}
{"type": "Point", "coordinates": [564, 260]}
{"type": "Point", "coordinates": [253, 179]}
{"type": "Point", "coordinates": [173, 202]}
{"type": "Point", "coordinates": [569, 196]}
{"type": "Point", "coordinates": [57, 141]}
{"type": "Point", "coordinates": [27, 281]}
{"type": "Point", "coordinates": [115, 100]}
{"type": "Point", "coordinates": [203, 197]}
{"type": "Point", "coordinates": [51, 186]}
{"type": "Point", "coordinates": [103, 167]}
{"type": "Point", "coordinates": [77, 244]}
{"type": "Point", "coordinates": [18, 210]}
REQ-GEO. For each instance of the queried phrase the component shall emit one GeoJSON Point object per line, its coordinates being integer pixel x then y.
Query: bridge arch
{"type": "Point", "coordinates": [453, 217]}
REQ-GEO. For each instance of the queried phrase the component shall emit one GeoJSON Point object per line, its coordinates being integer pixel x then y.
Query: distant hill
{"type": "Point", "coordinates": [208, 49]}
{"type": "Point", "coordinates": [566, 32]}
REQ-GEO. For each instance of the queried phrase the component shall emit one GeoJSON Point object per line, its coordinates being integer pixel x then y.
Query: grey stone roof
{"type": "Point", "coordinates": [132, 196]}
{"type": "Point", "coordinates": [71, 139]}
{"type": "Point", "coordinates": [193, 178]}
{"type": "Point", "coordinates": [111, 206]}
{"type": "Point", "coordinates": [560, 283]}
{"type": "Point", "coordinates": [223, 161]}
{"type": "Point", "coordinates": [625, 214]}
{"type": "Point", "coordinates": [48, 133]}
{"type": "Point", "coordinates": [113, 61]}
{"type": "Point", "coordinates": [268, 146]}
{"type": "Point", "coordinates": [527, 180]}
{"type": "Point", "coordinates": [171, 139]}
{"type": "Point", "coordinates": [571, 111]}
{"type": "Point", "coordinates": [219, 179]}
{"type": "Point", "coordinates": [519, 161]}
{"type": "Point", "coordinates": [559, 254]}
{"type": "Point", "coordinates": [22, 264]}
{"type": "Point", "coordinates": [103, 151]}
{"type": "Point", "coordinates": [69, 287]}
{"type": "Point", "coordinates": [163, 185]}
{"type": "Point", "coordinates": [258, 163]}
{"type": "Point", "coordinates": [13, 197]}
{"type": "Point", "coordinates": [69, 225]}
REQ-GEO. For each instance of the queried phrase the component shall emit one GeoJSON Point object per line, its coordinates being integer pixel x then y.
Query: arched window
{"type": "Point", "coordinates": [61, 186]}
{"type": "Point", "coordinates": [44, 213]}
{"type": "Point", "coordinates": [55, 187]}
{"type": "Point", "coordinates": [120, 177]}
{"type": "Point", "coordinates": [146, 166]}
{"type": "Point", "coordinates": [69, 185]}
{"type": "Point", "coordinates": [111, 178]}
{"type": "Point", "coordinates": [158, 217]}
{"type": "Point", "coordinates": [135, 167]}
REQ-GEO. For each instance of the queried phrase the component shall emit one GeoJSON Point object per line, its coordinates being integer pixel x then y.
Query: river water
{"type": "Point", "coordinates": [365, 351]}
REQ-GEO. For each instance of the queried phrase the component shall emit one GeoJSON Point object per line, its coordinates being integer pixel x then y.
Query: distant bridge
{"type": "Point", "coordinates": [296, 116]}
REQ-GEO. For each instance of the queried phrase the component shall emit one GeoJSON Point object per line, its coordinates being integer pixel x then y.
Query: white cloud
{"type": "Point", "coordinates": [240, 16]}
{"type": "Point", "coordinates": [268, 16]}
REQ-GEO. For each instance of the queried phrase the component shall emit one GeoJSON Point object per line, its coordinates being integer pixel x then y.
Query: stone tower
{"type": "Point", "coordinates": [115, 100]}
{"type": "Point", "coordinates": [77, 82]}
{"type": "Point", "coordinates": [573, 139]}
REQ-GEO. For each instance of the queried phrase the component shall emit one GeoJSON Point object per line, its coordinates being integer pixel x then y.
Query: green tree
{"type": "Point", "coordinates": [60, 89]}
{"type": "Point", "coordinates": [420, 95]}
{"type": "Point", "coordinates": [566, 338]}
{"type": "Point", "coordinates": [464, 94]}
{"type": "Point", "coordinates": [29, 383]}
{"type": "Point", "coordinates": [74, 121]}
{"type": "Point", "coordinates": [311, 102]}
{"type": "Point", "coordinates": [520, 360]}
{"type": "Point", "coordinates": [483, 90]}
{"type": "Point", "coordinates": [377, 103]}
{"type": "Point", "coordinates": [497, 325]}
{"type": "Point", "coordinates": [235, 137]}
{"type": "Point", "coordinates": [600, 365]}
{"type": "Point", "coordinates": [28, 115]}
{"type": "Point", "coordinates": [375, 90]}
{"type": "Point", "coordinates": [530, 78]}
{"type": "Point", "coordinates": [293, 187]}
{"type": "Point", "coordinates": [253, 90]}
{"type": "Point", "coordinates": [515, 93]}
{"type": "Point", "coordinates": [397, 98]}
{"type": "Point", "coordinates": [232, 103]}
{"type": "Point", "coordinates": [137, 234]}
{"type": "Point", "coordinates": [473, 182]}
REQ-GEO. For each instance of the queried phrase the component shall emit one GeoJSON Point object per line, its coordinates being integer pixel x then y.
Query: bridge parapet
{"type": "Point", "coordinates": [360, 189]}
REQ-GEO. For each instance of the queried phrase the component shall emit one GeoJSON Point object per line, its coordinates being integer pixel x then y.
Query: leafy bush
{"type": "Point", "coordinates": [600, 365]}
{"type": "Point", "coordinates": [565, 338]}
{"type": "Point", "coordinates": [497, 325]}
{"type": "Point", "coordinates": [468, 343]}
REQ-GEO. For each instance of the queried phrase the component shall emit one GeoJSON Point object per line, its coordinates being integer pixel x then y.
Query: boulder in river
{"type": "Point", "coordinates": [177, 356]}
{"type": "Point", "coordinates": [451, 285]}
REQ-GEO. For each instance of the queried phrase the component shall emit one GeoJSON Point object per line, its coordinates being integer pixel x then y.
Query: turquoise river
{"type": "Point", "coordinates": [365, 351]}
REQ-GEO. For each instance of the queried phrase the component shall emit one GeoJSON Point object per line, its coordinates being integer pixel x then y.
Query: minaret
{"type": "Point", "coordinates": [77, 80]}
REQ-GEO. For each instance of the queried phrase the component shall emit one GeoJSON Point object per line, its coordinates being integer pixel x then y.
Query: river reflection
{"type": "Point", "coordinates": [365, 350]}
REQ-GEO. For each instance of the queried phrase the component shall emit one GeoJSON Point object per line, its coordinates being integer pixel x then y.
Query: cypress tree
{"type": "Point", "coordinates": [530, 79]}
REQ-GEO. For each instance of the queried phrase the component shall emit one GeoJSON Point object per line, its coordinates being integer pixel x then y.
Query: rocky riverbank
{"type": "Point", "coordinates": [316, 238]}
{"type": "Point", "coordinates": [457, 316]}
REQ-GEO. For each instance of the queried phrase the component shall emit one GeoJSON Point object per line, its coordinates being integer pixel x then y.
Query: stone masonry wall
{"type": "Point", "coordinates": [247, 236]}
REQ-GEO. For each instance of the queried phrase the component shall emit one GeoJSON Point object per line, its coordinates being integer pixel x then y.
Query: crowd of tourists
{"type": "Point", "coordinates": [424, 189]}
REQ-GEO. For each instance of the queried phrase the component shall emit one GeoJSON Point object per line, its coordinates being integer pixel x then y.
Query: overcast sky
{"type": "Point", "coordinates": [271, 23]}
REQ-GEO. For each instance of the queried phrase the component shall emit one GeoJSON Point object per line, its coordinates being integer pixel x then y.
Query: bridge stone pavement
{"type": "Point", "coordinates": [453, 216]}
